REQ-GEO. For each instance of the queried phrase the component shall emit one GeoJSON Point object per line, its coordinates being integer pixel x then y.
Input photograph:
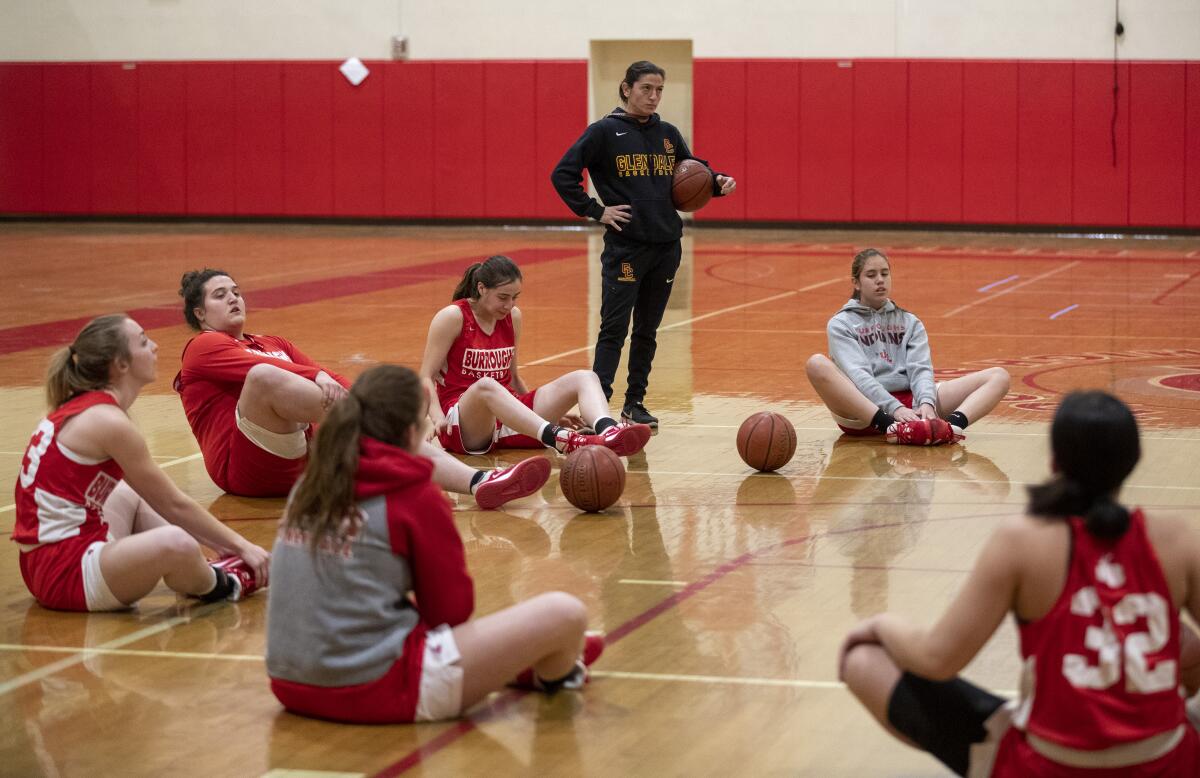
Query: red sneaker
{"type": "Point", "coordinates": [924, 432]}
{"type": "Point", "coordinates": [593, 647]}
{"type": "Point", "coordinates": [626, 439]}
{"type": "Point", "coordinates": [622, 439]}
{"type": "Point", "coordinates": [245, 584]}
{"type": "Point", "coordinates": [509, 483]}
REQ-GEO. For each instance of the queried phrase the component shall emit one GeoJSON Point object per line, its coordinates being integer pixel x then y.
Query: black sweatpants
{"type": "Point", "coordinates": [637, 280]}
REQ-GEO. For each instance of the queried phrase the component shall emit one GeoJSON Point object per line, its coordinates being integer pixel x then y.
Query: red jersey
{"type": "Point", "coordinates": [60, 494]}
{"type": "Point", "coordinates": [474, 355]}
{"type": "Point", "coordinates": [1102, 667]}
{"type": "Point", "coordinates": [210, 382]}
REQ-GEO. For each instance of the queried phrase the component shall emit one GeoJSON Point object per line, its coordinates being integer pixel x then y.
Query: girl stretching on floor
{"type": "Point", "coordinates": [880, 377]}
{"type": "Point", "coordinates": [369, 622]}
{"type": "Point", "coordinates": [470, 368]}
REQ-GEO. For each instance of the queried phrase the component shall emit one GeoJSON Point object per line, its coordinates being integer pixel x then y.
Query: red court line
{"type": "Point", "coordinates": [466, 726]}
{"type": "Point", "coordinates": [51, 333]}
{"type": "Point", "coordinates": [1159, 300]}
{"type": "Point", "coordinates": [989, 254]}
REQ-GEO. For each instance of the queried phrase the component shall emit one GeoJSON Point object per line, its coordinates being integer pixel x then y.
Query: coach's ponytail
{"type": "Point", "coordinates": [84, 365]}
{"type": "Point", "coordinates": [496, 270]}
{"type": "Point", "coordinates": [384, 403]}
{"type": "Point", "coordinates": [1094, 439]}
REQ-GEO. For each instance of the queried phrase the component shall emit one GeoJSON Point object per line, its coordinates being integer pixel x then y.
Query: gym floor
{"type": "Point", "coordinates": [724, 592]}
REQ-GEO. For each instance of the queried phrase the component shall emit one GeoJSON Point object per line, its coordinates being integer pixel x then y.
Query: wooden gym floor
{"type": "Point", "coordinates": [724, 592]}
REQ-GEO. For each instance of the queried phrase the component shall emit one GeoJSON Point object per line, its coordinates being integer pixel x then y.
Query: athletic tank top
{"type": "Point", "coordinates": [474, 355]}
{"type": "Point", "coordinates": [1102, 667]}
{"type": "Point", "coordinates": [60, 494]}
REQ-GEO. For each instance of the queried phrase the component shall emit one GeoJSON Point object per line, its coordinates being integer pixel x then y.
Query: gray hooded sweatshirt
{"type": "Point", "coordinates": [882, 352]}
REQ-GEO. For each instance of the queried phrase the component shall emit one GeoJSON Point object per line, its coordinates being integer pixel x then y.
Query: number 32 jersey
{"type": "Point", "coordinates": [60, 494]}
{"type": "Point", "coordinates": [1102, 667]}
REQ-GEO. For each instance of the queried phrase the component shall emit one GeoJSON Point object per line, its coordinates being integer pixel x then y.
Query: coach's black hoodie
{"type": "Point", "coordinates": [631, 163]}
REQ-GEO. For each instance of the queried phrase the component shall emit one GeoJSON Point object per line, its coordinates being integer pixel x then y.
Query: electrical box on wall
{"type": "Point", "coordinates": [400, 48]}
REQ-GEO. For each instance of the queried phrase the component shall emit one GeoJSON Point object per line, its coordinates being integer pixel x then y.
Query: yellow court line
{"type": "Point", "coordinates": [1009, 289]}
{"type": "Point", "coordinates": [172, 463]}
{"type": "Point", "coordinates": [794, 683]}
{"type": "Point", "coordinates": [701, 317]}
{"type": "Point", "coordinates": [131, 652]}
{"type": "Point", "coordinates": [283, 772]}
{"type": "Point", "coordinates": [642, 582]}
{"type": "Point", "coordinates": [81, 654]}
{"type": "Point", "coordinates": [948, 482]}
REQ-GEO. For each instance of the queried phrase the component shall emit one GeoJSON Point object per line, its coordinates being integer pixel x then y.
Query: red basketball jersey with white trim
{"type": "Point", "coordinates": [474, 355]}
{"type": "Point", "coordinates": [1105, 660]}
{"type": "Point", "coordinates": [61, 494]}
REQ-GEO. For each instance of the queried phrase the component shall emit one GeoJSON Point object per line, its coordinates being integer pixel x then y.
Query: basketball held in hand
{"type": "Point", "coordinates": [592, 478]}
{"type": "Point", "coordinates": [766, 441]}
{"type": "Point", "coordinates": [691, 186]}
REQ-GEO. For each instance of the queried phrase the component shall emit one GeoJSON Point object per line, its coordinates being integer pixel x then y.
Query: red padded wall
{"type": "Point", "coordinates": [67, 137]}
{"type": "Point", "coordinates": [358, 144]}
{"type": "Point", "coordinates": [880, 141]}
{"type": "Point", "coordinates": [509, 174]}
{"type": "Point", "coordinates": [562, 114]}
{"type": "Point", "coordinates": [458, 122]}
{"type": "Point", "coordinates": [719, 128]}
{"type": "Point", "coordinates": [211, 138]}
{"type": "Point", "coordinates": [935, 142]}
{"type": "Point", "coordinates": [308, 138]}
{"type": "Point", "coordinates": [770, 185]}
{"type": "Point", "coordinates": [21, 138]}
{"type": "Point", "coordinates": [1044, 136]}
{"type": "Point", "coordinates": [877, 140]}
{"type": "Point", "coordinates": [989, 142]}
{"type": "Point", "coordinates": [1156, 153]}
{"type": "Point", "coordinates": [408, 139]}
{"type": "Point", "coordinates": [1100, 189]}
{"type": "Point", "coordinates": [826, 140]}
{"type": "Point", "coordinates": [258, 160]}
{"type": "Point", "coordinates": [1191, 194]}
{"type": "Point", "coordinates": [114, 103]}
{"type": "Point", "coordinates": [161, 137]}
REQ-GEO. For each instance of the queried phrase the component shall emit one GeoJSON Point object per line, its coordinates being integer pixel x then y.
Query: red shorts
{"type": "Point", "coordinates": [391, 699]}
{"type": "Point", "coordinates": [502, 436]}
{"type": "Point", "coordinates": [252, 471]}
{"type": "Point", "coordinates": [53, 573]}
{"type": "Point", "coordinates": [1017, 758]}
{"type": "Point", "coordinates": [905, 398]}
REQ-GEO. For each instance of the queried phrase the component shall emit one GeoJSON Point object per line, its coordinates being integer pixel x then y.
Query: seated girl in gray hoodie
{"type": "Point", "coordinates": [880, 377]}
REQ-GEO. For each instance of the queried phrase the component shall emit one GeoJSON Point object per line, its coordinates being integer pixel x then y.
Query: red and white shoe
{"type": "Point", "coordinates": [244, 582]}
{"type": "Point", "coordinates": [924, 432]}
{"type": "Point", "coordinates": [509, 483]}
{"type": "Point", "coordinates": [622, 439]}
{"type": "Point", "coordinates": [593, 647]}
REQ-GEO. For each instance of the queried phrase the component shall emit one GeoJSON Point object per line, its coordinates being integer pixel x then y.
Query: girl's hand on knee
{"type": "Point", "coordinates": [862, 634]}
{"type": "Point", "coordinates": [437, 428]}
{"type": "Point", "coordinates": [331, 390]}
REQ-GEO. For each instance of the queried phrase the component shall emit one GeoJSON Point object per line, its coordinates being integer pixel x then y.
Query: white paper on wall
{"type": "Point", "coordinates": [354, 71]}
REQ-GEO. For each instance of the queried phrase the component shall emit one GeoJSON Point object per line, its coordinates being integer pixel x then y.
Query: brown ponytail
{"type": "Point", "coordinates": [496, 270]}
{"type": "Point", "coordinates": [384, 403]}
{"type": "Point", "coordinates": [84, 365]}
{"type": "Point", "coordinates": [1094, 437]}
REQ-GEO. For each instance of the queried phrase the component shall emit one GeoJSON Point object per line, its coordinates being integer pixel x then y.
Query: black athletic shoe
{"type": "Point", "coordinates": [637, 414]}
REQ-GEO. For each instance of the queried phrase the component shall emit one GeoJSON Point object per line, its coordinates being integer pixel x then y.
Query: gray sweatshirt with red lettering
{"type": "Point", "coordinates": [883, 351]}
